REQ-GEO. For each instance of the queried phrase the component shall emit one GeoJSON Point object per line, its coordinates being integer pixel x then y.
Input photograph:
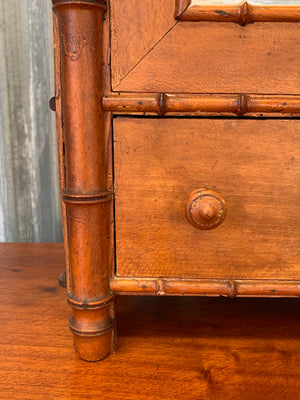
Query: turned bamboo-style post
{"type": "Point", "coordinates": [87, 200]}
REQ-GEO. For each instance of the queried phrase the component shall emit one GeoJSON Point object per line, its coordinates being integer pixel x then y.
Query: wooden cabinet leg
{"type": "Point", "coordinates": [87, 200]}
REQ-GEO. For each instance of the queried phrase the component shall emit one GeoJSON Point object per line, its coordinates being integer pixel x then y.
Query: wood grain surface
{"type": "Point", "coordinates": [136, 27]}
{"type": "Point", "coordinates": [212, 57]}
{"type": "Point", "coordinates": [168, 348]}
{"type": "Point", "coordinates": [251, 163]}
{"type": "Point", "coordinates": [202, 104]}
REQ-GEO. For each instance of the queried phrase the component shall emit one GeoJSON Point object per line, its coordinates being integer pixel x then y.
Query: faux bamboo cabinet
{"type": "Point", "coordinates": [178, 140]}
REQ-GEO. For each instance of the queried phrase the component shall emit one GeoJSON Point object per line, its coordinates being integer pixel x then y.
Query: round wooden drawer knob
{"type": "Point", "coordinates": [205, 209]}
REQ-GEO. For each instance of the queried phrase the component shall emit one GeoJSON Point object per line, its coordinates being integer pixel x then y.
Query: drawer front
{"type": "Point", "coordinates": [252, 164]}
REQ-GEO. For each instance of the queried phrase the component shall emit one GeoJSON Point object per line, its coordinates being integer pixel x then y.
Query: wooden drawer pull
{"type": "Point", "coordinates": [205, 209]}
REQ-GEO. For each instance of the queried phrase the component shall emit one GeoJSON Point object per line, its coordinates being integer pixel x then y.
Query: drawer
{"type": "Point", "coordinates": [252, 164]}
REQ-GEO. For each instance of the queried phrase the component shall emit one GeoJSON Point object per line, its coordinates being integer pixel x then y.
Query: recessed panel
{"type": "Point", "coordinates": [221, 57]}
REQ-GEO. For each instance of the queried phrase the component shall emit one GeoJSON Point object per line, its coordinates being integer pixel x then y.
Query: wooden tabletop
{"type": "Point", "coordinates": [168, 348]}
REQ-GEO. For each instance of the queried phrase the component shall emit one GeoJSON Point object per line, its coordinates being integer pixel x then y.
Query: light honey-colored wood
{"type": "Point", "coordinates": [208, 287]}
{"type": "Point", "coordinates": [212, 57]}
{"type": "Point", "coordinates": [251, 163]}
{"type": "Point", "coordinates": [194, 104]}
{"type": "Point", "coordinates": [136, 27]}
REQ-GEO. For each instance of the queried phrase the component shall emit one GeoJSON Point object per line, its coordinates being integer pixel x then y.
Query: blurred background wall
{"type": "Point", "coordinates": [29, 194]}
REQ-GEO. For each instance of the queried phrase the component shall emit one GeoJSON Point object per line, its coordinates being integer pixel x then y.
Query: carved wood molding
{"type": "Point", "coordinates": [229, 288]}
{"type": "Point", "coordinates": [165, 103]}
{"type": "Point", "coordinates": [243, 13]}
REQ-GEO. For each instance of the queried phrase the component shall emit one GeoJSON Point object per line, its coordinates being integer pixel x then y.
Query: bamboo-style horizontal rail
{"type": "Point", "coordinates": [198, 287]}
{"type": "Point", "coordinates": [243, 13]}
{"type": "Point", "coordinates": [165, 103]}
